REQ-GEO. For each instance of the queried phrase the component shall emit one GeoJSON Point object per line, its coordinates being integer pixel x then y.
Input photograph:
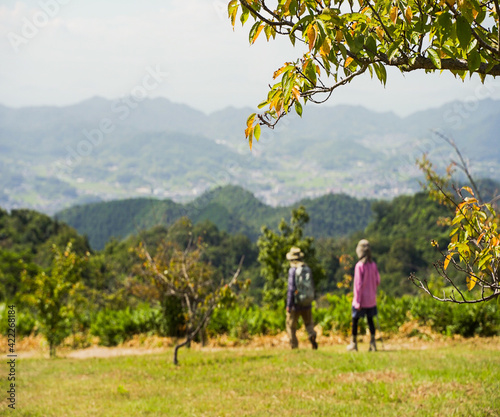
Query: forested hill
{"type": "Point", "coordinates": [400, 231]}
{"type": "Point", "coordinates": [231, 208]}
{"type": "Point", "coordinates": [26, 240]}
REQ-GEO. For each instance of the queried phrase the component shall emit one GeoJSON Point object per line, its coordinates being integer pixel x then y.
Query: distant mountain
{"type": "Point", "coordinates": [231, 208]}
{"type": "Point", "coordinates": [100, 150]}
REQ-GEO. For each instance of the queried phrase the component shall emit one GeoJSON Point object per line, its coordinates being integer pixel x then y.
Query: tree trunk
{"type": "Point", "coordinates": [177, 347]}
{"type": "Point", "coordinates": [52, 350]}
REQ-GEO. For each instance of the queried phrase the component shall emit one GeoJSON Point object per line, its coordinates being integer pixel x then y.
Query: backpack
{"type": "Point", "coordinates": [304, 286]}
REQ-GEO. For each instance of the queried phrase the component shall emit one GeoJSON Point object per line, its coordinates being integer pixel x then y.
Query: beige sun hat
{"type": "Point", "coordinates": [295, 254]}
{"type": "Point", "coordinates": [363, 249]}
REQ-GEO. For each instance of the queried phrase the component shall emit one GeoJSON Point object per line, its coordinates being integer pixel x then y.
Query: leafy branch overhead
{"type": "Point", "coordinates": [342, 39]}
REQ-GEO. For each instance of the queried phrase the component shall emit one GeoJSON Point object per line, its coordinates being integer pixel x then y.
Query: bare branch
{"type": "Point", "coordinates": [423, 285]}
{"type": "Point", "coordinates": [329, 90]}
{"type": "Point", "coordinates": [463, 164]}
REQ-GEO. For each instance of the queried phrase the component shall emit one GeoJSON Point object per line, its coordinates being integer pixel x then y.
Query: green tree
{"type": "Point", "coordinates": [343, 39]}
{"type": "Point", "coordinates": [273, 247]}
{"type": "Point", "coordinates": [54, 295]}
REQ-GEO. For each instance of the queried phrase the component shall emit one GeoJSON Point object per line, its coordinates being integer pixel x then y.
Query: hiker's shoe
{"type": "Point", "coordinates": [314, 344]}
{"type": "Point", "coordinates": [373, 346]}
{"type": "Point", "coordinates": [353, 346]}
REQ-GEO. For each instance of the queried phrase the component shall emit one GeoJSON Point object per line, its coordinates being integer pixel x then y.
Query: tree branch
{"type": "Point", "coordinates": [329, 90]}
{"type": "Point", "coordinates": [423, 285]}
{"type": "Point", "coordinates": [463, 165]}
{"type": "Point", "coordinates": [446, 64]}
{"type": "Point", "coordinates": [261, 17]}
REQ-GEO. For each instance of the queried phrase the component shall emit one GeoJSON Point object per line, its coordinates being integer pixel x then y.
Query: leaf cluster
{"type": "Point", "coordinates": [342, 40]}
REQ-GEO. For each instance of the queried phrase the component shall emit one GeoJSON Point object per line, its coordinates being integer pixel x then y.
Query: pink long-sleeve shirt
{"type": "Point", "coordinates": [366, 281]}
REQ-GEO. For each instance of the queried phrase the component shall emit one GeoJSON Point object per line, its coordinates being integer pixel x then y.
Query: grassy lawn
{"type": "Point", "coordinates": [462, 379]}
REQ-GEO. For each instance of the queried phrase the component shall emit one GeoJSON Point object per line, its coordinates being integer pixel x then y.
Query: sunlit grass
{"type": "Point", "coordinates": [458, 380]}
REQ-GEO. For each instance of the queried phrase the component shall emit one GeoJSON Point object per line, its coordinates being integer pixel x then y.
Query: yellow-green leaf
{"type": "Point", "coordinates": [434, 57]}
{"type": "Point", "coordinates": [256, 131]}
{"type": "Point", "coordinates": [250, 139]}
{"type": "Point", "coordinates": [232, 10]}
{"type": "Point", "coordinates": [257, 33]}
{"type": "Point", "coordinates": [348, 61]}
{"type": "Point", "coordinates": [325, 48]}
{"type": "Point", "coordinates": [471, 282]}
{"type": "Point", "coordinates": [312, 34]}
{"type": "Point", "coordinates": [251, 119]}
{"type": "Point", "coordinates": [408, 14]}
{"type": "Point", "coordinates": [286, 6]}
{"type": "Point", "coordinates": [394, 14]}
{"type": "Point", "coordinates": [447, 261]}
{"type": "Point", "coordinates": [279, 71]}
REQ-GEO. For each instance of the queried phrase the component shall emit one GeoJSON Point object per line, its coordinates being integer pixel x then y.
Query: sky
{"type": "Point", "coordinates": [60, 52]}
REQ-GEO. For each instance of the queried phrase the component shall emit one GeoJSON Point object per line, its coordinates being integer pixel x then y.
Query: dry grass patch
{"type": "Point", "coordinates": [386, 376]}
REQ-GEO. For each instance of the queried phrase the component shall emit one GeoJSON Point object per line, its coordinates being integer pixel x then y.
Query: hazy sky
{"type": "Point", "coordinates": [59, 52]}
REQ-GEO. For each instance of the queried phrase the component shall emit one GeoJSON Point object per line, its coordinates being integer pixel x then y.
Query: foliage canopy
{"type": "Point", "coordinates": [343, 39]}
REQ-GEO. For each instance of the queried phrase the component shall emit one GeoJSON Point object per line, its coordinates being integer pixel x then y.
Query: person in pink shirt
{"type": "Point", "coordinates": [364, 302]}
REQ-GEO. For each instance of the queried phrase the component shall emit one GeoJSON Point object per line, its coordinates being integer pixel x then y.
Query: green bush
{"type": "Point", "coordinates": [115, 326]}
{"type": "Point", "coordinates": [26, 322]}
{"type": "Point", "coordinates": [481, 319]}
{"type": "Point", "coordinates": [241, 322]}
{"type": "Point", "coordinates": [337, 316]}
{"type": "Point", "coordinates": [393, 312]}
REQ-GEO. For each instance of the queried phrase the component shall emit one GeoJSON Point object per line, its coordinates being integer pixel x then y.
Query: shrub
{"type": "Point", "coordinates": [115, 326]}
{"type": "Point", "coordinates": [26, 322]}
{"type": "Point", "coordinates": [240, 322]}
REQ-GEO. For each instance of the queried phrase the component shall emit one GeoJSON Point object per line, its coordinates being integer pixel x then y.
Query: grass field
{"type": "Point", "coordinates": [453, 379]}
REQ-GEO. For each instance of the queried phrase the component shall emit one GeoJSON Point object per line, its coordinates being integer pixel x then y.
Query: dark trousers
{"type": "Point", "coordinates": [357, 314]}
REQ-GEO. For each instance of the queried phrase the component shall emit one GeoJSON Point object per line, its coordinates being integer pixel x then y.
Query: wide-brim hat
{"type": "Point", "coordinates": [294, 254]}
{"type": "Point", "coordinates": [363, 248]}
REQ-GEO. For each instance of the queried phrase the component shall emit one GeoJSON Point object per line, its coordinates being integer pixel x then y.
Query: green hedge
{"type": "Point", "coordinates": [115, 326]}
{"type": "Point", "coordinates": [481, 319]}
{"type": "Point", "coordinates": [242, 322]}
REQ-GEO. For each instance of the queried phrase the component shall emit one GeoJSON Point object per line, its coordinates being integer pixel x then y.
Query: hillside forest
{"type": "Point", "coordinates": [103, 291]}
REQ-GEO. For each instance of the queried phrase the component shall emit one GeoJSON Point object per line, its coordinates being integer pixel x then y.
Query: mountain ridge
{"type": "Point", "coordinates": [56, 157]}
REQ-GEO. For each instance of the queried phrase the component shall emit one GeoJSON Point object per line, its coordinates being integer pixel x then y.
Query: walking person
{"type": "Point", "coordinates": [300, 295]}
{"type": "Point", "coordinates": [364, 303]}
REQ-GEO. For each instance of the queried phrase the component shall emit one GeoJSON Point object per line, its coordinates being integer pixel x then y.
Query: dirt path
{"type": "Point", "coordinates": [36, 347]}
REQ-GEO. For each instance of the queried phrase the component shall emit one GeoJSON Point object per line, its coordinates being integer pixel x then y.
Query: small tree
{"type": "Point", "coordinates": [182, 274]}
{"type": "Point", "coordinates": [474, 250]}
{"type": "Point", "coordinates": [53, 295]}
{"type": "Point", "coordinates": [343, 39]}
{"type": "Point", "coordinates": [273, 247]}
